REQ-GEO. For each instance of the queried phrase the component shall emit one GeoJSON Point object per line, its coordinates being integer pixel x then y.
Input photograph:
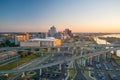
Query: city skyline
{"type": "Point", "coordinates": [77, 15]}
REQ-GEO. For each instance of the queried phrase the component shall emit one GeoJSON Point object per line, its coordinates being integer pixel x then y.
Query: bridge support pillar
{"type": "Point", "coordinates": [95, 58]}
{"type": "Point", "coordinates": [87, 61]}
{"type": "Point", "coordinates": [58, 49]}
{"type": "Point", "coordinates": [74, 48]}
{"type": "Point", "coordinates": [68, 49]}
{"type": "Point", "coordinates": [73, 51]}
{"type": "Point", "coordinates": [115, 52]}
{"type": "Point", "coordinates": [105, 55]}
{"type": "Point", "coordinates": [23, 74]}
{"type": "Point", "coordinates": [60, 67]}
{"type": "Point", "coordinates": [109, 56]}
{"type": "Point", "coordinates": [82, 52]}
{"type": "Point", "coordinates": [102, 56]}
{"type": "Point", "coordinates": [98, 58]}
{"type": "Point", "coordinates": [40, 72]}
{"type": "Point", "coordinates": [40, 49]}
{"type": "Point", "coordinates": [49, 49]}
{"type": "Point", "coordinates": [83, 61]}
{"type": "Point", "coordinates": [52, 54]}
{"type": "Point", "coordinates": [90, 60]}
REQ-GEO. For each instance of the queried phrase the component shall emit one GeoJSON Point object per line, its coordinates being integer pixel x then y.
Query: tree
{"type": "Point", "coordinates": [8, 43]}
{"type": "Point", "coordinates": [29, 52]}
{"type": "Point", "coordinates": [75, 52]}
{"type": "Point", "coordinates": [23, 54]}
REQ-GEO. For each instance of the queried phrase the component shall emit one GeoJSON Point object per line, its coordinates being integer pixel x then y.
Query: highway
{"type": "Point", "coordinates": [105, 70]}
{"type": "Point", "coordinates": [79, 75]}
{"type": "Point", "coordinates": [27, 65]}
{"type": "Point", "coordinates": [59, 62]}
{"type": "Point", "coordinates": [91, 45]}
{"type": "Point", "coordinates": [53, 72]}
{"type": "Point", "coordinates": [36, 65]}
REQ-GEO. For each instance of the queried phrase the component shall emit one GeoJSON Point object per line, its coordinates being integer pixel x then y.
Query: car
{"type": "Point", "coordinates": [117, 69]}
{"type": "Point", "coordinates": [51, 59]}
{"type": "Point", "coordinates": [113, 77]}
{"type": "Point", "coordinates": [67, 65]}
{"type": "Point", "coordinates": [92, 74]}
{"type": "Point", "coordinates": [54, 75]}
{"type": "Point", "coordinates": [47, 75]}
{"type": "Point", "coordinates": [106, 67]}
{"type": "Point", "coordinates": [98, 66]}
{"type": "Point", "coordinates": [102, 77]}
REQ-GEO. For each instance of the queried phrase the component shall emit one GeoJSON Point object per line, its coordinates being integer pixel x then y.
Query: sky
{"type": "Point", "coordinates": [77, 15]}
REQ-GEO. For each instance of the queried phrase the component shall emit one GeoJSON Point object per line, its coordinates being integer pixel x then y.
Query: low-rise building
{"type": "Point", "coordinates": [23, 37]}
{"type": "Point", "coordinates": [29, 43]}
{"type": "Point", "coordinates": [49, 41]}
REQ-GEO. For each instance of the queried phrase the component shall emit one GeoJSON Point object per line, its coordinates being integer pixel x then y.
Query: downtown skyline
{"type": "Point", "coordinates": [77, 15]}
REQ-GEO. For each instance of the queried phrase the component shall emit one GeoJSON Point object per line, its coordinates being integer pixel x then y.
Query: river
{"type": "Point", "coordinates": [100, 41]}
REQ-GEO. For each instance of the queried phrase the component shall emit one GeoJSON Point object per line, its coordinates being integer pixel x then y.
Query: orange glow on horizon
{"type": "Point", "coordinates": [74, 28]}
{"type": "Point", "coordinates": [111, 29]}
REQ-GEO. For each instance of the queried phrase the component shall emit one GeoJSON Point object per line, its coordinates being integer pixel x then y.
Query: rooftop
{"type": "Point", "coordinates": [46, 39]}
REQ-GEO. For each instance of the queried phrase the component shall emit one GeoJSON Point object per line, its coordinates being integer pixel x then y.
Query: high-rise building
{"type": "Point", "coordinates": [52, 31]}
{"type": "Point", "coordinates": [59, 35]}
{"type": "Point", "coordinates": [67, 33]}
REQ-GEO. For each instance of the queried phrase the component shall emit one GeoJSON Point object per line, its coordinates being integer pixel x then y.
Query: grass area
{"type": "Point", "coordinates": [72, 72]}
{"type": "Point", "coordinates": [116, 58]}
{"type": "Point", "coordinates": [86, 74]}
{"type": "Point", "coordinates": [18, 62]}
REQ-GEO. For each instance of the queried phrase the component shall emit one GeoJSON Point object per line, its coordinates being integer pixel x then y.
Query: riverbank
{"type": "Point", "coordinates": [112, 40]}
{"type": "Point", "coordinates": [103, 40]}
{"type": "Point", "coordinates": [116, 58]}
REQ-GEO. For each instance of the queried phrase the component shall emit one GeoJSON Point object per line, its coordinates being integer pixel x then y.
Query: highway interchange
{"type": "Point", "coordinates": [103, 70]}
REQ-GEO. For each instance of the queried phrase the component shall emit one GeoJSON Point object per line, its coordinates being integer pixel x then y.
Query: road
{"type": "Point", "coordinates": [79, 75]}
{"type": "Point", "coordinates": [30, 64]}
{"type": "Point", "coordinates": [50, 72]}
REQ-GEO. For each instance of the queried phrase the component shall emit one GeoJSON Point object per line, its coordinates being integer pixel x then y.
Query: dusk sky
{"type": "Point", "coordinates": [77, 15]}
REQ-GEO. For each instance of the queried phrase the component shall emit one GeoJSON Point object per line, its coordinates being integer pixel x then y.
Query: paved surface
{"type": "Point", "coordinates": [30, 64]}
{"type": "Point", "coordinates": [79, 75]}
{"type": "Point", "coordinates": [47, 72]}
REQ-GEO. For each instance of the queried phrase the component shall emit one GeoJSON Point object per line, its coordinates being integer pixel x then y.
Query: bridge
{"type": "Point", "coordinates": [48, 47]}
{"type": "Point", "coordinates": [85, 53]}
{"type": "Point", "coordinates": [82, 55]}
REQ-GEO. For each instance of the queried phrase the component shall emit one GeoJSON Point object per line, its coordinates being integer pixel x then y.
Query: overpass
{"type": "Point", "coordinates": [81, 56]}
{"type": "Point", "coordinates": [41, 47]}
